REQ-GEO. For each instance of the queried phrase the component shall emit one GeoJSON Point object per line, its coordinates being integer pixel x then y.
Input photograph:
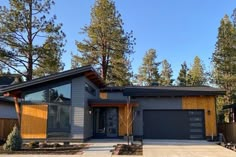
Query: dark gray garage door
{"type": "Point", "coordinates": [173, 124]}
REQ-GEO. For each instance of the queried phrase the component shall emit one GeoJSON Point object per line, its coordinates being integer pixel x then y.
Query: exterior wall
{"type": "Point", "coordinates": [152, 103]}
{"type": "Point", "coordinates": [7, 110]}
{"type": "Point", "coordinates": [112, 95]}
{"type": "Point", "coordinates": [77, 108]}
{"type": "Point", "coordinates": [88, 118]}
{"type": "Point", "coordinates": [208, 104]}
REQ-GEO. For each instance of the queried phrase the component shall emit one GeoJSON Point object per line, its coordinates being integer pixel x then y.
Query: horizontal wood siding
{"type": "Point", "coordinates": [123, 121]}
{"type": "Point", "coordinates": [34, 121]}
{"type": "Point", "coordinates": [6, 126]}
{"type": "Point", "coordinates": [208, 104]}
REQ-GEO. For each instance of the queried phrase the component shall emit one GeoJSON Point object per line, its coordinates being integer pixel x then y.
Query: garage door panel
{"type": "Point", "coordinates": [173, 124]}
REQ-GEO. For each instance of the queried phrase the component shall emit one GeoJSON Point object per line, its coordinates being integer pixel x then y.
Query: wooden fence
{"type": "Point", "coordinates": [228, 130]}
{"type": "Point", "coordinates": [6, 126]}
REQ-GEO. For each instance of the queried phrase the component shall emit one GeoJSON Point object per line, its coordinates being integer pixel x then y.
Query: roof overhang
{"type": "Point", "coordinates": [172, 91]}
{"type": "Point", "coordinates": [88, 71]}
{"type": "Point", "coordinates": [110, 103]}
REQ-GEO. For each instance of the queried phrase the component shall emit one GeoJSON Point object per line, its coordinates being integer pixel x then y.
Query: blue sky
{"type": "Point", "coordinates": [178, 30]}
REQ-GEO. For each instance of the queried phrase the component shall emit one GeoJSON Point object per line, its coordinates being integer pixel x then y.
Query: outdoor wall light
{"type": "Point", "coordinates": [209, 112]}
{"type": "Point", "coordinates": [90, 111]}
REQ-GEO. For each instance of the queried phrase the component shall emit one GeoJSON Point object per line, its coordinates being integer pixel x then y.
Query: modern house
{"type": "Point", "coordinates": [76, 105]}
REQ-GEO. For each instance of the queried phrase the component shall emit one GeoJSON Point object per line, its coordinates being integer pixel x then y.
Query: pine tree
{"type": "Point", "coordinates": [166, 74]}
{"type": "Point", "coordinates": [196, 75]}
{"type": "Point", "coordinates": [14, 140]}
{"type": "Point", "coordinates": [25, 29]}
{"type": "Point", "coordinates": [182, 78]}
{"type": "Point", "coordinates": [108, 46]}
{"type": "Point", "coordinates": [51, 60]}
{"type": "Point", "coordinates": [224, 59]}
{"type": "Point", "coordinates": [148, 72]}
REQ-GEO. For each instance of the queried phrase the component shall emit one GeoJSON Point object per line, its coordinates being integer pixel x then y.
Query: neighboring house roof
{"type": "Point", "coordinates": [229, 106]}
{"type": "Point", "coordinates": [87, 71]}
{"type": "Point", "coordinates": [171, 91]}
{"type": "Point", "coordinates": [7, 79]}
{"type": "Point", "coordinates": [6, 99]}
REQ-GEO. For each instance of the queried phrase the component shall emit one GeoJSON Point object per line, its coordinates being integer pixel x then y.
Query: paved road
{"type": "Point", "coordinates": [184, 148]}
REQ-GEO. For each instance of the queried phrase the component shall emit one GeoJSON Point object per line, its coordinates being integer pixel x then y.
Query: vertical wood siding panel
{"type": "Point", "coordinates": [34, 121]}
{"type": "Point", "coordinates": [123, 121]}
{"type": "Point", "coordinates": [103, 95]}
{"type": "Point", "coordinates": [208, 104]}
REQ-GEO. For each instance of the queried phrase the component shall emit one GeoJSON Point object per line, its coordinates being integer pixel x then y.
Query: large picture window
{"type": "Point", "coordinates": [58, 99]}
{"type": "Point", "coordinates": [39, 96]}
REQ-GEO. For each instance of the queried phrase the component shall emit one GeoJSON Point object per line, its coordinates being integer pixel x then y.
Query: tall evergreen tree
{"type": "Point", "coordinates": [166, 74]}
{"type": "Point", "coordinates": [25, 29]}
{"type": "Point", "coordinates": [51, 60]}
{"type": "Point", "coordinates": [182, 78]}
{"type": "Point", "coordinates": [148, 72]}
{"type": "Point", "coordinates": [108, 46]}
{"type": "Point", "coordinates": [196, 75]}
{"type": "Point", "coordinates": [224, 59]}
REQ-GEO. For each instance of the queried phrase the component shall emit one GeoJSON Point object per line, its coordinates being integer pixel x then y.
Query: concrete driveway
{"type": "Point", "coordinates": [184, 148]}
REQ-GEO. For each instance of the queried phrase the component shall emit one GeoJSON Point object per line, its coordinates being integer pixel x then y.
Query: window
{"type": "Point", "coordinates": [40, 96]}
{"type": "Point", "coordinates": [58, 118]}
{"type": "Point", "coordinates": [60, 94]}
{"type": "Point", "coordinates": [58, 99]}
{"type": "Point", "coordinates": [59, 110]}
{"type": "Point", "coordinates": [90, 89]}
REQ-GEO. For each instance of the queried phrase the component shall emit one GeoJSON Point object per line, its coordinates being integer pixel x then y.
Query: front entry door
{"type": "Point", "coordinates": [105, 122]}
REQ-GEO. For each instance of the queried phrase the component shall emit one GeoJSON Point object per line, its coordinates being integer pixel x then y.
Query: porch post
{"type": "Point", "coordinates": [127, 117]}
{"type": "Point", "coordinates": [17, 107]}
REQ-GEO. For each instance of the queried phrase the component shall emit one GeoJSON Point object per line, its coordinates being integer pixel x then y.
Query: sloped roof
{"type": "Point", "coordinates": [8, 79]}
{"type": "Point", "coordinates": [87, 71]}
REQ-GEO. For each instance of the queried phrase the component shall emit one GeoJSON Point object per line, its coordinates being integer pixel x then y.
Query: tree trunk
{"type": "Point", "coordinates": [30, 57]}
{"type": "Point", "coordinates": [104, 68]}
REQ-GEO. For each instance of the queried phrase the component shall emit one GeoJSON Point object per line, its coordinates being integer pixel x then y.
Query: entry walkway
{"type": "Point", "coordinates": [101, 147]}
{"type": "Point", "coordinates": [184, 148]}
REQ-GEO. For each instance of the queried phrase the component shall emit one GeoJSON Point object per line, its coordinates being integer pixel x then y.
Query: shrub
{"type": "Point", "coordinates": [33, 144]}
{"type": "Point", "coordinates": [14, 140]}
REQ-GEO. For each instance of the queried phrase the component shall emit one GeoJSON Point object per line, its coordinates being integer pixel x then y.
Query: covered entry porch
{"type": "Point", "coordinates": [112, 118]}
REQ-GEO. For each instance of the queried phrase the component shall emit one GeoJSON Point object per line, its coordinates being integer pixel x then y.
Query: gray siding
{"type": "Point", "coordinates": [77, 115]}
{"type": "Point", "coordinates": [7, 110]}
{"type": "Point", "coordinates": [88, 118]}
{"type": "Point", "coordinates": [157, 103]}
{"type": "Point", "coordinates": [116, 96]}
